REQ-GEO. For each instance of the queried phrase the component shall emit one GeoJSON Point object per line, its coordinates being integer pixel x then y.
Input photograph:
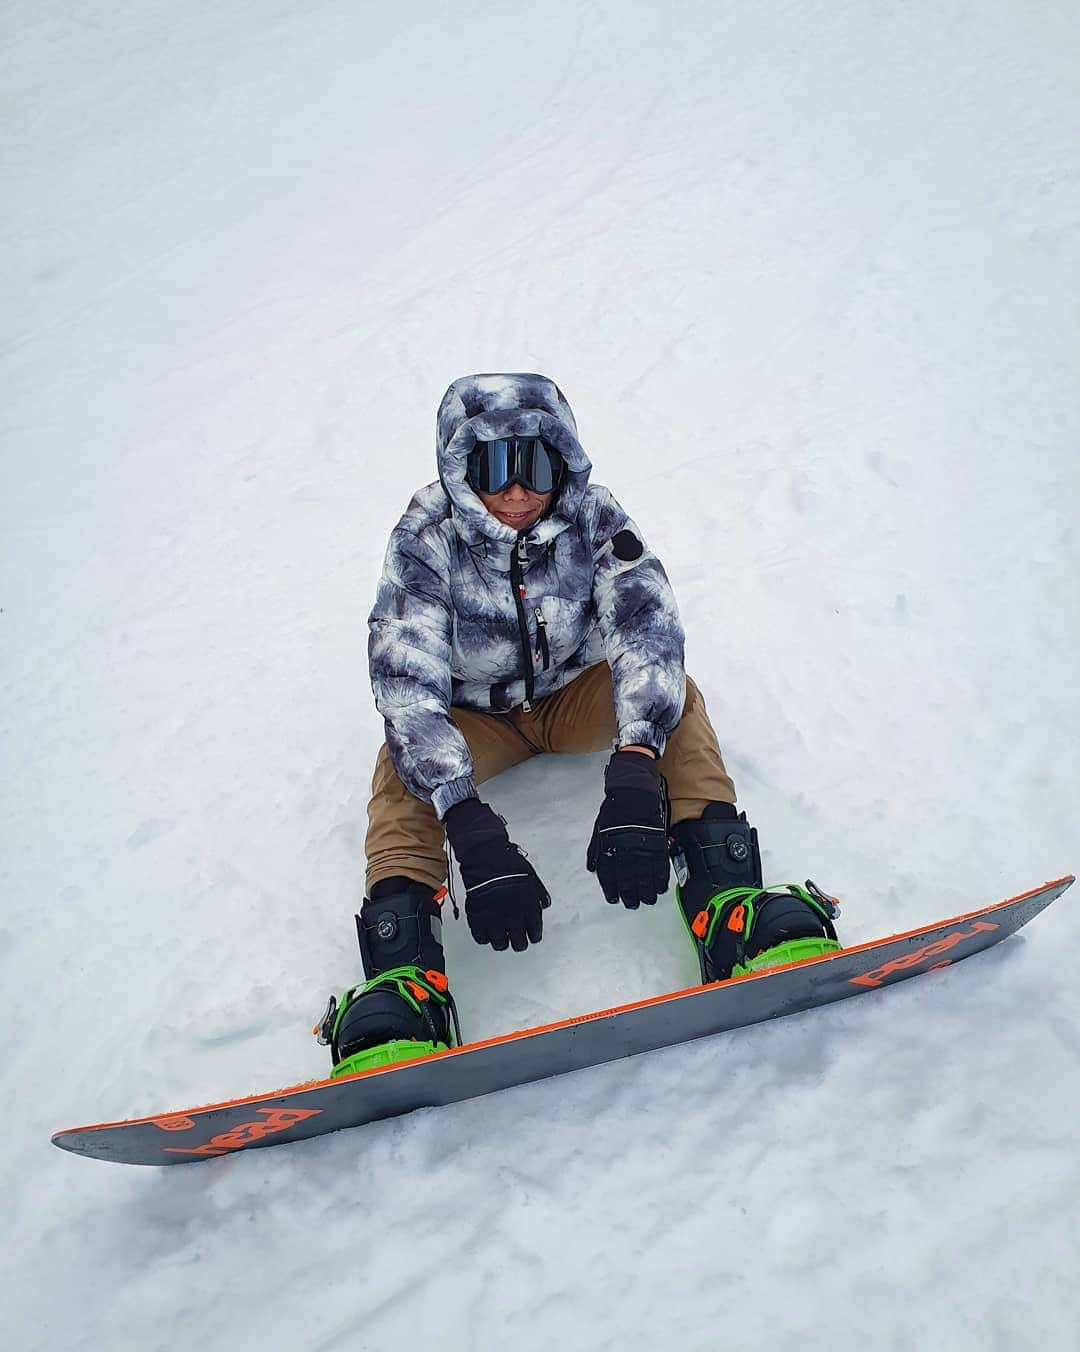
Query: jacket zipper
{"type": "Point", "coordinates": [517, 558]}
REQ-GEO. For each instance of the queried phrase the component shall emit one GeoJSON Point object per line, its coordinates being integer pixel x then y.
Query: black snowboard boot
{"type": "Point", "coordinates": [404, 1009]}
{"type": "Point", "coordinates": [736, 925]}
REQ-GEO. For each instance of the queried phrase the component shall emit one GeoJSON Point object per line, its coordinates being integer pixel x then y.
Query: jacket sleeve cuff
{"type": "Point", "coordinates": [643, 733]}
{"type": "Point", "coordinates": [447, 796]}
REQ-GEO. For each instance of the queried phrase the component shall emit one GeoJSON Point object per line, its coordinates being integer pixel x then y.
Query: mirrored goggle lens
{"type": "Point", "coordinates": [527, 460]}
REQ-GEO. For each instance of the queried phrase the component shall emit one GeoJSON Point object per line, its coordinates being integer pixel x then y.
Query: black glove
{"type": "Point", "coordinates": [504, 899]}
{"type": "Point", "coordinates": [629, 848]}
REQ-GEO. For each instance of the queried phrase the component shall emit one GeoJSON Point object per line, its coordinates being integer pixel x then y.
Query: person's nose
{"type": "Point", "coordinates": [515, 493]}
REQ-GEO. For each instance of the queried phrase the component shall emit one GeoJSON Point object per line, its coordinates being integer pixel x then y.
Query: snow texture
{"type": "Point", "coordinates": [807, 274]}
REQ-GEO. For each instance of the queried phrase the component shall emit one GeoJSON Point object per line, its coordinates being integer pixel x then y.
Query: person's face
{"type": "Point", "coordinates": [516, 506]}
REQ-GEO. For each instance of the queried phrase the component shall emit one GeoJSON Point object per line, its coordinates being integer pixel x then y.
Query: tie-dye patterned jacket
{"type": "Point", "coordinates": [468, 613]}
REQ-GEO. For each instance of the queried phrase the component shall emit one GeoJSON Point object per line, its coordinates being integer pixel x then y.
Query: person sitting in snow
{"type": "Point", "coordinates": [520, 611]}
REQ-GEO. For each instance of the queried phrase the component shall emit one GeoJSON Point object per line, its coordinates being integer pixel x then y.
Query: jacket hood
{"type": "Point", "coordinates": [483, 407]}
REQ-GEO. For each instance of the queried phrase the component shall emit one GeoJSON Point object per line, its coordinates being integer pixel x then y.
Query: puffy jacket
{"type": "Point", "coordinates": [469, 613]}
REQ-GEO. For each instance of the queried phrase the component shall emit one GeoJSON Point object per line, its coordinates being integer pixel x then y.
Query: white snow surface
{"type": "Point", "coordinates": [808, 276]}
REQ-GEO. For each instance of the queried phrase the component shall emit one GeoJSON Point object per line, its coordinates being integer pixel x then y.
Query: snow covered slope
{"type": "Point", "coordinates": [808, 276]}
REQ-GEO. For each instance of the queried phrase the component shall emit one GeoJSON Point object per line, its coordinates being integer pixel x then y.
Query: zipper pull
{"type": "Point", "coordinates": [543, 652]}
{"type": "Point", "coordinates": [521, 552]}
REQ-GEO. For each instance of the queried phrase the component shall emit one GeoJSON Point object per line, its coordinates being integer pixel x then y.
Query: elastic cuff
{"type": "Point", "coordinates": [446, 795]}
{"type": "Point", "coordinates": [643, 733]}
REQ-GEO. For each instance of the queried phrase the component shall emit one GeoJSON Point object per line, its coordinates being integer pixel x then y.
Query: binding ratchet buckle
{"type": "Point", "coordinates": [830, 905]}
{"type": "Point", "coordinates": [324, 1029]}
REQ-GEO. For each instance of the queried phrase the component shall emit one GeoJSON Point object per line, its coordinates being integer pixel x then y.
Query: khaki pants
{"type": "Point", "coordinates": [406, 838]}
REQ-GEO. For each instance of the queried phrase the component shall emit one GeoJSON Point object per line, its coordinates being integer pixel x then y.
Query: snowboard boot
{"type": "Point", "coordinates": [736, 925]}
{"type": "Point", "coordinates": [404, 1009]}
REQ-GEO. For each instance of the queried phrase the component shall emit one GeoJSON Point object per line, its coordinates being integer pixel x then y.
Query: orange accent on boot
{"type": "Point", "coordinates": [700, 927]}
{"type": "Point", "coordinates": [418, 991]}
{"type": "Point", "coordinates": [438, 979]}
{"type": "Point", "coordinates": [737, 919]}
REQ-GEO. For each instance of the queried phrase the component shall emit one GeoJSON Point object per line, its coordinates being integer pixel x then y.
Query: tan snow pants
{"type": "Point", "coordinates": [405, 836]}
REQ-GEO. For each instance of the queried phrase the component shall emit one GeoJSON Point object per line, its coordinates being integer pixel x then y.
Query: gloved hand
{"type": "Point", "coordinates": [629, 847]}
{"type": "Point", "coordinates": [504, 899]}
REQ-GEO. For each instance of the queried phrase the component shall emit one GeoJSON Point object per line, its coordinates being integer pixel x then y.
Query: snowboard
{"type": "Point", "coordinates": [477, 1068]}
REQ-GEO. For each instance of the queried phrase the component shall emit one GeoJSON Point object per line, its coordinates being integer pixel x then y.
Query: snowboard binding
{"type": "Point", "coordinates": [399, 1015]}
{"type": "Point", "coordinates": [404, 1009]}
{"type": "Point", "coordinates": [737, 925]}
{"type": "Point", "coordinates": [749, 929]}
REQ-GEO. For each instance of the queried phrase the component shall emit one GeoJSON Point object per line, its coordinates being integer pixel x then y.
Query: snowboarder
{"type": "Point", "coordinates": [521, 611]}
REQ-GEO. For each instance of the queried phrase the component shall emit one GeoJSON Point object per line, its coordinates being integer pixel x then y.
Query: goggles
{"type": "Point", "coordinates": [495, 465]}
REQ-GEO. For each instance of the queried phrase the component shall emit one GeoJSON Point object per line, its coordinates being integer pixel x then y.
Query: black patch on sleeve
{"type": "Point", "coordinates": [626, 546]}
